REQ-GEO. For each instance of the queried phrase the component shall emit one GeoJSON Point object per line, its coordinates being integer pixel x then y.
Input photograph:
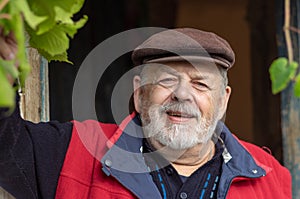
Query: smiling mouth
{"type": "Point", "coordinates": [179, 114]}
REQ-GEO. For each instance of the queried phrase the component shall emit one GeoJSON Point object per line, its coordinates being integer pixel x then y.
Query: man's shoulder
{"type": "Point", "coordinates": [93, 126]}
{"type": "Point", "coordinates": [262, 154]}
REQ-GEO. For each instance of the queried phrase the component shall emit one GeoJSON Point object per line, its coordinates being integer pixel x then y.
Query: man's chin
{"type": "Point", "coordinates": [177, 145]}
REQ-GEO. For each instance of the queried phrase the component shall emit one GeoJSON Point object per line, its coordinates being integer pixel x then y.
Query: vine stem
{"type": "Point", "coordinates": [294, 29]}
{"type": "Point", "coordinates": [287, 16]}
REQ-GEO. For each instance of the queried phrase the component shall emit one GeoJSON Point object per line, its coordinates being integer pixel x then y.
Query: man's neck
{"type": "Point", "coordinates": [187, 161]}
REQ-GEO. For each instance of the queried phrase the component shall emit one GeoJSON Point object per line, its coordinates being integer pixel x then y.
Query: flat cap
{"type": "Point", "coordinates": [184, 44]}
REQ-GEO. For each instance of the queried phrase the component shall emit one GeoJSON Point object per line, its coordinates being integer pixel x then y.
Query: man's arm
{"type": "Point", "coordinates": [31, 155]}
{"type": "Point", "coordinates": [13, 173]}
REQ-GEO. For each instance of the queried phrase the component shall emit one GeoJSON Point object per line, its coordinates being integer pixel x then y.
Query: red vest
{"type": "Point", "coordinates": [82, 177]}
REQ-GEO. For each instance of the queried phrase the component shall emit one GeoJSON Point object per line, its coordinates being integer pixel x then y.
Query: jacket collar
{"type": "Point", "coordinates": [241, 165]}
{"type": "Point", "coordinates": [125, 162]}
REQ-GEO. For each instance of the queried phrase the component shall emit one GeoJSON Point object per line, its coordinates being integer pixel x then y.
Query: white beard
{"type": "Point", "coordinates": [178, 136]}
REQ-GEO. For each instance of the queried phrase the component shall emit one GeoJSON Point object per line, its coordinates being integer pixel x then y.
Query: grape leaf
{"type": "Point", "coordinates": [31, 19]}
{"type": "Point", "coordinates": [18, 28]}
{"type": "Point", "coordinates": [71, 29]}
{"type": "Point", "coordinates": [49, 25]}
{"type": "Point", "coordinates": [45, 26]}
{"type": "Point", "coordinates": [42, 7]}
{"type": "Point", "coordinates": [7, 98]}
{"type": "Point", "coordinates": [8, 67]}
{"type": "Point", "coordinates": [57, 10]}
{"type": "Point", "coordinates": [63, 16]}
{"type": "Point", "coordinates": [60, 57]}
{"type": "Point", "coordinates": [281, 72]}
{"type": "Point", "coordinates": [77, 5]}
{"type": "Point", "coordinates": [54, 41]}
{"type": "Point", "coordinates": [297, 86]}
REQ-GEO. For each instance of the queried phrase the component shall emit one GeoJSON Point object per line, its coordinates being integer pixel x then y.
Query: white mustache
{"type": "Point", "coordinates": [181, 107]}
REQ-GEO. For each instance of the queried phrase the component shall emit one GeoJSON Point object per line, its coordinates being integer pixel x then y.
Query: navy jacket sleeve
{"type": "Point", "coordinates": [31, 155]}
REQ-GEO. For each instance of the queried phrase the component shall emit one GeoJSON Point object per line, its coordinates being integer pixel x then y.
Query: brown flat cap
{"type": "Point", "coordinates": [184, 44]}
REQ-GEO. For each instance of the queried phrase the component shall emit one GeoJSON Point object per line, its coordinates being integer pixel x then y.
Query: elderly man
{"type": "Point", "coordinates": [174, 145]}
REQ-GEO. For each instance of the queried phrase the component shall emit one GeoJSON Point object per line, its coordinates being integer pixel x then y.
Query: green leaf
{"type": "Point", "coordinates": [77, 5]}
{"type": "Point", "coordinates": [71, 29]}
{"type": "Point", "coordinates": [62, 15]}
{"type": "Point", "coordinates": [60, 57]}
{"type": "Point", "coordinates": [18, 29]}
{"type": "Point", "coordinates": [57, 11]}
{"type": "Point", "coordinates": [281, 73]}
{"type": "Point", "coordinates": [52, 36]}
{"type": "Point", "coordinates": [297, 86]}
{"type": "Point", "coordinates": [24, 72]}
{"type": "Point", "coordinates": [49, 25]}
{"type": "Point", "coordinates": [9, 67]}
{"type": "Point", "coordinates": [31, 19]}
{"type": "Point", "coordinates": [45, 26]}
{"type": "Point", "coordinates": [54, 42]}
{"type": "Point", "coordinates": [43, 7]}
{"type": "Point", "coordinates": [7, 98]}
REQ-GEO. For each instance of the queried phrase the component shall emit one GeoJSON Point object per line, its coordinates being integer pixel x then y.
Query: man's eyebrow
{"type": "Point", "coordinates": [199, 76]}
{"type": "Point", "coordinates": [169, 71]}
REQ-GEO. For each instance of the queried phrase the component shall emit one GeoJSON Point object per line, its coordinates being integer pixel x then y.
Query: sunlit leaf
{"type": "Point", "coordinates": [71, 29]}
{"type": "Point", "coordinates": [49, 24]}
{"type": "Point", "coordinates": [54, 41]}
{"type": "Point", "coordinates": [281, 73]}
{"type": "Point", "coordinates": [297, 86]}
{"type": "Point", "coordinates": [7, 98]}
{"type": "Point", "coordinates": [60, 57]}
{"type": "Point", "coordinates": [31, 19]}
{"type": "Point", "coordinates": [9, 68]}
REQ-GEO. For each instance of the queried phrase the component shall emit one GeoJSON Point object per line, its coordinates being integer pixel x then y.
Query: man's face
{"type": "Point", "coordinates": [180, 104]}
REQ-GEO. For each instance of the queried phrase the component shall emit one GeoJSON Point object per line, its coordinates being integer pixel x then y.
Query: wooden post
{"type": "Point", "coordinates": [290, 105]}
{"type": "Point", "coordinates": [34, 103]}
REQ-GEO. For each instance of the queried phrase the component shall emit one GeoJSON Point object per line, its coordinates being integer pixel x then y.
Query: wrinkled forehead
{"type": "Point", "coordinates": [196, 68]}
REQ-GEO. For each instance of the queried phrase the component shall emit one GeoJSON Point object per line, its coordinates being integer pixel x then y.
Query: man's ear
{"type": "Point", "coordinates": [224, 102]}
{"type": "Point", "coordinates": [137, 92]}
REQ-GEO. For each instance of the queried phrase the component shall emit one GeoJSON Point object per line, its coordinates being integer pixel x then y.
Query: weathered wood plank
{"type": "Point", "coordinates": [31, 97]}
{"type": "Point", "coordinates": [291, 136]}
{"type": "Point", "coordinates": [290, 105]}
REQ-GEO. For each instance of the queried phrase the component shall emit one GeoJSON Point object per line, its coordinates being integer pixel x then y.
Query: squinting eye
{"type": "Point", "coordinates": [168, 82]}
{"type": "Point", "coordinates": [201, 85]}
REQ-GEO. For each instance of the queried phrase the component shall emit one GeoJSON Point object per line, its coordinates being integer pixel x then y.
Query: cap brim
{"type": "Point", "coordinates": [189, 58]}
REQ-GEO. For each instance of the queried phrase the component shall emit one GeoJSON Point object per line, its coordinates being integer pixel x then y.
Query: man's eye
{"type": "Point", "coordinates": [168, 81]}
{"type": "Point", "coordinates": [201, 85]}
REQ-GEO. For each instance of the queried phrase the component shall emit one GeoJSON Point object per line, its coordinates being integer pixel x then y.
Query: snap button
{"type": "Point", "coordinates": [169, 171]}
{"type": "Point", "coordinates": [254, 171]}
{"type": "Point", "coordinates": [183, 195]}
{"type": "Point", "coordinates": [108, 163]}
{"type": "Point", "coordinates": [141, 149]}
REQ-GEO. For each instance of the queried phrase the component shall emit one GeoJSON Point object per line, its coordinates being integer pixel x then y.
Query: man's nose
{"type": "Point", "coordinates": [182, 92]}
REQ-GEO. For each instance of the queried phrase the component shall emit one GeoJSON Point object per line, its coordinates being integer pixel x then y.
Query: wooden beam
{"type": "Point", "coordinates": [34, 101]}
{"type": "Point", "coordinates": [290, 105]}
